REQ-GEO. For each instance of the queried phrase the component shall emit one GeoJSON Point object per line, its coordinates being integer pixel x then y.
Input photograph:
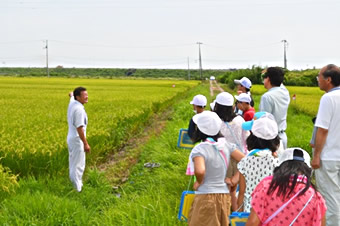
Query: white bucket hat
{"type": "Point", "coordinates": [288, 154]}
{"type": "Point", "coordinates": [208, 122]}
{"type": "Point", "coordinates": [199, 100]}
{"type": "Point", "coordinates": [244, 82]}
{"type": "Point", "coordinates": [225, 99]}
{"type": "Point", "coordinates": [243, 97]}
{"type": "Point", "coordinates": [264, 127]}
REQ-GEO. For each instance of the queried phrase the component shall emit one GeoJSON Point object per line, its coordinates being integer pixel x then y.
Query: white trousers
{"type": "Point", "coordinates": [328, 182]}
{"type": "Point", "coordinates": [283, 137]}
{"type": "Point", "coordinates": [76, 162]}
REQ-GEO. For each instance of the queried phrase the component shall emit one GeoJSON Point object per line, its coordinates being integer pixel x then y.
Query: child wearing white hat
{"type": "Point", "coordinates": [211, 158]}
{"type": "Point", "coordinates": [232, 131]}
{"type": "Point", "coordinates": [243, 103]}
{"type": "Point", "coordinates": [263, 142]}
{"type": "Point", "coordinates": [198, 103]}
{"type": "Point", "coordinates": [289, 195]}
{"type": "Point", "coordinates": [243, 86]}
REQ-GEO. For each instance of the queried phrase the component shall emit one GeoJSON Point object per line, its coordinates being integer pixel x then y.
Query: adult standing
{"type": "Point", "coordinates": [76, 137]}
{"type": "Point", "coordinates": [326, 157]}
{"type": "Point", "coordinates": [276, 99]}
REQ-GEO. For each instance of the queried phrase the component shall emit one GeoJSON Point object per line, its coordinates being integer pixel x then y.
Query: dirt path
{"type": "Point", "coordinates": [215, 86]}
{"type": "Point", "coordinates": [118, 164]}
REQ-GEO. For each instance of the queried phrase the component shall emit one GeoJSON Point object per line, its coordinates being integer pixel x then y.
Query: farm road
{"type": "Point", "coordinates": [117, 172]}
{"type": "Point", "coordinates": [214, 86]}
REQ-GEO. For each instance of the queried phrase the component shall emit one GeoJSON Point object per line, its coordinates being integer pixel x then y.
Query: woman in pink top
{"type": "Point", "coordinates": [288, 197]}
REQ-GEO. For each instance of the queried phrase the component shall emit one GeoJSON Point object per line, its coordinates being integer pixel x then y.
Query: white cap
{"type": "Point", "coordinates": [264, 127]}
{"type": "Point", "coordinates": [225, 99]}
{"type": "Point", "coordinates": [288, 154]}
{"type": "Point", "coordinates": [243, 97]}
{"type": "Point", "coordinates": [244, 82]}
{"type": "Point", "coordinates": [208, 122]}
{"type": "Point", "coordinates": [199, 100]}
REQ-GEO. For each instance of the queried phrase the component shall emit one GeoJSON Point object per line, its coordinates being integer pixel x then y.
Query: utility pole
{"type": "Point", "coordinates": [188, 70]}
{"type": "Point", "coordinates": [285, 44]}
{"type": "Point", "coordinates": [47, 71]}
{"type": "Point", "coordinates": [199, 58]}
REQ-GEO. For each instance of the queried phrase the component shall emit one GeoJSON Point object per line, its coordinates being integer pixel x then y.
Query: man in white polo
{"type": "Point", "coordinates": [326, 156]}
{"type": "Point", "coordinates": [76, 137]}
{"type": "Point", "coordinates": [276, 100]}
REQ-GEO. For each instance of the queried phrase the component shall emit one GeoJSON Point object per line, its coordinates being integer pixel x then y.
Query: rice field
{"type": "Point", "coordinates": [33, 123]}
{"type": "Point", "coordinates": [307, 98]}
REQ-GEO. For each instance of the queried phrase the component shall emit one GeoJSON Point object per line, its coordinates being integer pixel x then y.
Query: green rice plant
{"type": "Point", "coordinates": [152, 196]}
{"type": "Point", "coordinates": [307, 98]}
{"type": "Point", "coordinates": [149, 197]}
{"type": "Point", "coordinates": [33, 125]}
{"type": "Point", "coordinates": [8, 182]}
{"type": "Point", "coordinates": [300, 113]}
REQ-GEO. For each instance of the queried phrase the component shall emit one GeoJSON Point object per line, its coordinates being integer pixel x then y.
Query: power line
{"type": "Point", "coordinates": [123, 47]}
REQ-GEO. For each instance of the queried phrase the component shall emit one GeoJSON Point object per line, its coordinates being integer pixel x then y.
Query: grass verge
{"type": "Point", "coordinates": [149, 197]}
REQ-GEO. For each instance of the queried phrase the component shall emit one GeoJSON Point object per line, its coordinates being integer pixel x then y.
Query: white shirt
{"type": "Point", "coordinates": [329, 118]}
{"type": "Point", "coordinates": [76, 117]}
{"type": "Point", "coordinates": [216, 165]}
{"type": "Point", "coordinates": [276, 102]}
{"type": "Point", "coordinates": [234, 133]}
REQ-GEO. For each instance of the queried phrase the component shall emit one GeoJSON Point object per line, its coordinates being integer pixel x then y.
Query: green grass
{"type": "Point", "coordinates": [149, 197]}
{"type": "Point", "coordinates": [300, 113]}
{"type": "Point", "coordinates": [33, 124]}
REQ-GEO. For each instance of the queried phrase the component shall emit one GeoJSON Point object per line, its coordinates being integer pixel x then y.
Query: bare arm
{"type": "Point", "coordinates": [242, 184]}
{"type": "Point", "coordinates": [320, 140]}
{"type": "Point", "coordinates": [199, 165]}
{"type": "Point", "coordinates": [83, 138]}
{"type": "Point", "coordinates": [253, 219]}
{"type": "Point", "coordinates": [237, 155]}
{"type": "Point", "coordinates": [323, 221]}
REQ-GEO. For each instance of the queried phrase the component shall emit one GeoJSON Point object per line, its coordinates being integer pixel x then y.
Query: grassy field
{"type": "Point", "coordinates": [33, 117]}
{"type": "Point", "coordinates": [300, 113]}
{"type": "Point", "coordinates": [149, 196]}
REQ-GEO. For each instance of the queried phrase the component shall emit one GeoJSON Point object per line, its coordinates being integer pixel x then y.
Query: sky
{"type": "Point", "coordinates": [165, 33]}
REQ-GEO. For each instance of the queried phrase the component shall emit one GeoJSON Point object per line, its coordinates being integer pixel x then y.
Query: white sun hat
{"type": "Point", "coordinates": [264, 127]}
{"type": "Point", "coordinates": [199, 100]}
{"type": "Point", "coordinates": [243, 97]}
{"type": "Point", "coordinates": [225, 99]}
{"type": "Point", "coordinates": [208, 122]}
{"type": "Point", "coordinates": [244, 82]}
{"type": "Point", "coordinates": [288, 154]}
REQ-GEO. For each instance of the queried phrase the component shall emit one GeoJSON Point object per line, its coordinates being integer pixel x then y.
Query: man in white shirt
{"type": "Point", "coordinates": [326, 156]}
{"type": "Point", "coordinates": [276, 99]}
{"type": "Point", "coordinates": [76, 137]}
